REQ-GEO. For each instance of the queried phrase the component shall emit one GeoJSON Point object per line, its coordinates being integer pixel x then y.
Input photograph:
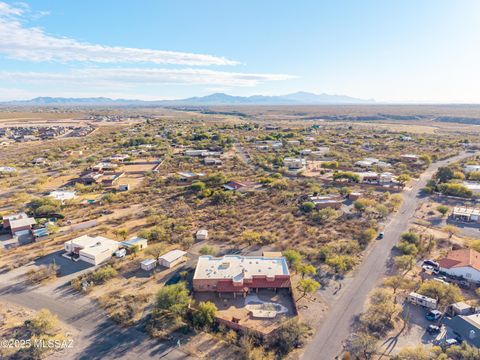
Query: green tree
{"type": "Point", "coordinates": [307, 206]}
{"type": "Point", "coordinates": [293, 257]}
{"type": "Point", "coordinates": [362, 345]}
{"type": "Point", "coordinates": [307, 269]}
{"type": "Point", "coordinates": [366, 236]}
{"type": "Point", "coordinates": [204, 316]}
{"type": "Point", "coordinates": [43, 323]}
{"type": "Point", "coordinates": [444, 174]}
{"type": "Point", "coordinates": [289, 336]}
{"type": "Point", "coordinates": [197, 186]}
{"type": "Point", "coordinates": [307, 286]}
{"type": "Point", "coordinates": [173, 299]}
{"type": "Point", "coordinates": [445, 294]}
{"type": "Point", "coordinates": [442, 209]}
{"type": "Point", "coordinates": [404, 263]}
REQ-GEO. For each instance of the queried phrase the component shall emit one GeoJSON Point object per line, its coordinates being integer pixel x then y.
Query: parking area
{"type": "Point", "coordinates": [67, 267]}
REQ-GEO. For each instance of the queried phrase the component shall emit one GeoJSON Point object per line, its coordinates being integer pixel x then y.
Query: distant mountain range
{"type": "Point", "coordinates": [298, 98]}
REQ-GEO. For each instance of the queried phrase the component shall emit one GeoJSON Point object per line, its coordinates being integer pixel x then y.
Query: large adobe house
{"type": "Point", "coordinates": [464, 263]}
{"type": "Point", "coordinates": [240, 274]}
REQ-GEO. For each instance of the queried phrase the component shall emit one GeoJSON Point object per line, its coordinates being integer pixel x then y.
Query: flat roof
{"type": "Point", "coordinates": [466, 211]}
{"type": "Point", "coordinates": [93, 245]}
{"type": "Point", "coordinates": [133, 241]}
{"type": "Point", "coordinates": [148, 262]}
{"type": "Point", "coordinates": [62, 194]}
{"type": "Point", "coordinates": [16, 223]}
{"type": "Point", "coordinates": [21, 215]}
{"type": "Point", "coordinates": [172, 255]}
{"type": "Point", "coordinates": [471, 185]}
{"type": "Point", "coordinates": [234, 266]}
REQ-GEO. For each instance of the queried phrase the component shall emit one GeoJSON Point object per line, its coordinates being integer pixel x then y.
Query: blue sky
{"type": "Point", "coordinates": [398, 51]}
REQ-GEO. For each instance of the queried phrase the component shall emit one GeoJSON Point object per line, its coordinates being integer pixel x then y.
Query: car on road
{"type": "Point", "coordinates": [380, 235]}
{"type": "Point", "coordinates": [434, 329]}
{"type": "Point", "coordinates": [433, 315]}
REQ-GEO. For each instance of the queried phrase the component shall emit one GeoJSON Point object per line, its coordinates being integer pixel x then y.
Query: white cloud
{"type": "Point", "coordinates": [128, 77]}
{"type": "Point", "coordinates": [34, 44]}
{"type": "Point", "coordinates": [8, 10]}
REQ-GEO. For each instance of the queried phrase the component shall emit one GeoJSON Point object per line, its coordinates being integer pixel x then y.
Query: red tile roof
{"type": "Point", "coordinates": [461, 258]}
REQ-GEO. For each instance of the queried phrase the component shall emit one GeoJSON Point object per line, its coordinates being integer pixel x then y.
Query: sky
{"type": "Point", "coordinates": [391, 51]}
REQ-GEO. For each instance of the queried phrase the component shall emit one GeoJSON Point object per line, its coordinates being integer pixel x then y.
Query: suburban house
{"type": "Point", "coordinates": [474, 187]}
{"type": "Point", "coordinates": [369, 162]}
{"type": "Point", "coordinates": [355, 195]}
{"type": "Point", "coordinates": [7, 170]}
{"type": "Point", "coordinates": [172, 258]}
{"type": "Point", "coordinates": [18, 222]}
{"type": "Point", "coordinates": [102, 166]}
{"type": "Point", "coordinates": [324, 201]}
{"type": "Point", "coordinates": [320, 151]}
{"type": "Point", "coordinates": [212, 161]}
{"type": "Point", "coordinates": [295, 164]}
{"type": "Point", "coordinates": [234, 185]}
{"type": "Point", "coordinates": [141, 243]}
{"type": "Point", "coordinates": [466, 214]}
{"type": "Point", "coordinates": [464, 263]}
{"type": "Point", "coordinates": [195, 152]}
{"type": "Point", "coordinates": [471, 168]}
{"type": "Point", "coordinates": [62, 195]}
{"type": "Point", "coordinates": [188, 176]}
{"type": "Point", "coordinates": [89, 178]}
{"type": "Point", "coordinates": [40, 161]}
{"type": "Point", "coordinates": [467, 326]}
{"type": "Point", "coordinates": [369, 177]}
{"type": "Point", "coordinates": [240, 274]}
{"type": "Point", "coordinates": [202, 234]}
{"type": "Point", "coordinates": [409, 157]}
{"type": "Point", "coordinates": [109, 179]}
{"type": "Point", "coordinates": [91, 249]}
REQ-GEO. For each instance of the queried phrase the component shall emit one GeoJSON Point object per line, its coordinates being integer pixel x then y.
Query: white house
{"type": "Point", "coordinates": [148, 264]}
{"type": "Point", "coordinates": [202, 234]}
{"type": "Point", "coordinates": [91, 249]}
{"type": "Point", "coordinates": [471, 168]}
{"type": "Point", "coordinates": [464, 263]}
{"type": "Point", "coordinates": [62, 195]}
{"type": "Point", "coordinates": [172, 258]}
{"type": "Point", "coordinates": [294, 163]}
{"type": "Point", "coordinates": [474, 187]}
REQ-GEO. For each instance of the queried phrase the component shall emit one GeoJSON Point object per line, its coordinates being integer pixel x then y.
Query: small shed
{"type": "Point", "coordinates": [148, 264]}
{"type": "Point", "coordinates": [202, 234]}
{"type": "Point", "coordinates": [172, 258]}
{"type": "Point", "coordinates": [460, 308]}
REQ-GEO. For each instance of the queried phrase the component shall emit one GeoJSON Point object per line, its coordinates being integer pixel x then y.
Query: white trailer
{"type": "Point", "coordinates": [422, 300]}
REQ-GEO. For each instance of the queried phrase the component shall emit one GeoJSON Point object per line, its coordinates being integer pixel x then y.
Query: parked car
{"type": "Point", "coordinates": [431, 263]}
{"type": "Point", "coordinates": [433, 315]}
{"type": "Point", "coordinates": [380, 235]}
{"type": "Point", "coordinates": [451, 342]}
{"type": "Point", "coordinates": [433, 329]}
{"type": "Point", "coordinates": [464, 284]}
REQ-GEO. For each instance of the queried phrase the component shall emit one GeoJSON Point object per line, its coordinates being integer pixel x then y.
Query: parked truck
{"type": "Point", "coordinates": [422, 300]}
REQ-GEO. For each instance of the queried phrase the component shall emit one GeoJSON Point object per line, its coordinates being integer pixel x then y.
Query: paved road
{"type": "Point", "coordinates": [94, 335]}
{"type": "Point", "coordinates": [327, 343]}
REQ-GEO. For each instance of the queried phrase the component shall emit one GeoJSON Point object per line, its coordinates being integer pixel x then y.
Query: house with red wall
{"type": "Point", "coordinates": [240, 274]}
